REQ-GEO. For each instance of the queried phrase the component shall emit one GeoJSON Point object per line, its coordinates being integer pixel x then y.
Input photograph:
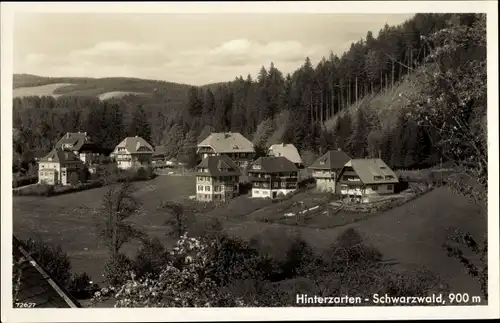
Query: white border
{"type": "Point", "coordinates": [213, 314]}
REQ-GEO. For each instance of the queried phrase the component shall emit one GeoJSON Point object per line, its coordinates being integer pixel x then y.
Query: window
{"type": "Point", "coordinates": [275, 184]}
{"type": "Point", "coordinates": [378, 177]}
{"type": "Point", "coordinates": [375, 187]}
{"type": "Point", "coordinates": [43, 166]}
{"type": "Point", "coordinates": [200, 187]}
{"type": "Point", "coordinates": [265, 185]}
{"type": "Point", "coordinates": [390, 187]}
{"type": "Point", "coordinates": [389, 177]}
{"type": "Point", "coordinates": [217, 188]}
{"type": "Point", "coordinates": [207, 188]}
{"type": "Point", "coordinates": [283, 184]}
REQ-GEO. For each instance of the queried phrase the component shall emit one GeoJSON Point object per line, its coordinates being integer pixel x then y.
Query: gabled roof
{"type": "Point", "coordinates": [220, 165]}
{"type": "Point", "coordinates": [77, 140]}
{"type": "Point", "coordinates": [36, 285]}
{"type": "Point", "coordinates": [228, 142]}
{"type": "Point", "coordinates": [369, 170]}
{"type": "Point", "coordinates": [134, 145]}
{"type": "Point", "coordinates": [60, 156]}
{"type": "Point", "coordinates": [272, 165]}
{"type": "Point", "coordinates": [333, 159]}
{"type": "Point", "coordinates": [289, 151]}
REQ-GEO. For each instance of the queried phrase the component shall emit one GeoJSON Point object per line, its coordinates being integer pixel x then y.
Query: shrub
{"type": "Point", "coordinates": [151, 258]}
{"type": "Point", "coordinates": [84, 175]}
{"type": "Point", "coordinates": [35, 190]}
{"type": "Point", "coordinates": [244, 188]}
{"type": "Point", "coordinates": [116, 270]}
{"type": "Point", "coordinates": [141, 174]}
{"type": "Point", "coordinates": [81, 287]}
{"type": "Point", "coordinates": [298, 258]}
{"type": "Point", "coordinates": [73, 178]}
{"type": "Point", "coordinates": [26, 180]}
{"type": "Point", "coordinates": [51, 258]}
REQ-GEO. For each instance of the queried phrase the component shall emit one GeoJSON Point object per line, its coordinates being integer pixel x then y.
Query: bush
{"type": "Point", "coordinates": [52, 259]}
{"type": "Point", "coordinates": [81, 287]}
{"type": "Point", "coordinates": [141, 174]}
{"type": "Point", "coordinates": [25, 180]}
{"type": "Point", "coordinates": [35, 190]}
{"type": "Point", "coordinates": [244, 188]}
{"type": "Point", "coordinates": [78, 187]}
{"type": "Point", "coordinates": [73, 178]}
{"type": "Point", "coordinates": [116, 270]}
{"type": "Point", "coordinates": [151, 258]}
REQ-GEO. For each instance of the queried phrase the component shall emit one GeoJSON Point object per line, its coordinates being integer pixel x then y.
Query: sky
{"type": "Point", "coordinates": [194, 49]}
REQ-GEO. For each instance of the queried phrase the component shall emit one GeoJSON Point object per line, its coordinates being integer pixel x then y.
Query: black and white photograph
{"type": "Point", "coordinates": [308, 158]}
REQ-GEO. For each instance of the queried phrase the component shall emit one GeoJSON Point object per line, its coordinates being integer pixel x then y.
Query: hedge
{"type": "Point", "coordinates": [25, 180]}
{"type": "Point", "coordinates": [48, 190]}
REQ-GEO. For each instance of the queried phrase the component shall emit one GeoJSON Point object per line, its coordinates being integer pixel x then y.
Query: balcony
{"type": "Point", "coordinates": [325, 174]}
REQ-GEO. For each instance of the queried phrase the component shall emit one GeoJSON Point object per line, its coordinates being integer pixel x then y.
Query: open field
{"type": "Point", "coordinates": [117, 94]}
{"type": "Point", "coordinates": [42, 90]}
{"type": "Point", "coordinates": [411, 234]}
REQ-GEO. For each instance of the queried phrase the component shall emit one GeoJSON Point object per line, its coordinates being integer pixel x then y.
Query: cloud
{"type": "Point", "coordinates": [199, 65]}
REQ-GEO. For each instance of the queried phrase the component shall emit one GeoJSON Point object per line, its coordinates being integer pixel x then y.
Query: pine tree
{"type": "Point", "coordinates": [139, 125]}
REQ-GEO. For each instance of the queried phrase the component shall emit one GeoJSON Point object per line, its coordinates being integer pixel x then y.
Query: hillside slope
{"type": "Point", "coordinates": [385, 104]}
{"type": "Point", "coordinates": [105, 88]}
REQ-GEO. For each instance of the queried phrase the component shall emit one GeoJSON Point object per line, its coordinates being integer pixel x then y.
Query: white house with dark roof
{"type": "Point", "coordinates": [366, 178]}
{"type": "Point", "coordinates": [231, 144]}
{"type": "Point", "coordinates": [217, 179]}
{"type": "Point", "coordinates": [288, 151]}
{"type": "Point", "coordinates": [81, 145]}
{"type": "Point", "coordinates": [272, 177]}
{"type": "Point", "coordinates": [326, 168]}
{"type": "Point", "coordinates": [133, 152]}
{"type": "Point", "coordinates": [57, 166]}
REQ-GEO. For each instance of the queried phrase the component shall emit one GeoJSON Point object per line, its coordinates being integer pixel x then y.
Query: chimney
{"type": "Point", "coordinates": [136, 136]}
{"type": "Point", "coordinates": [338, 149]}
{"type": "Point", "coordinates": [67, 135]}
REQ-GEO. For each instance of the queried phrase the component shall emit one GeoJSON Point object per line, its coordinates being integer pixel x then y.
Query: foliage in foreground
{"type": "Point", "coordinates": [221, 271]}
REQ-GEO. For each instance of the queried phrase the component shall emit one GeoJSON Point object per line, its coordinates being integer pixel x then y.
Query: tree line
{"type": "Point", "coordinates": [291, 108]}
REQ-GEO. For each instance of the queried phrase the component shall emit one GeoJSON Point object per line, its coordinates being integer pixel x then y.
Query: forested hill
{"type": "Point", "coordinates": [293, 107]}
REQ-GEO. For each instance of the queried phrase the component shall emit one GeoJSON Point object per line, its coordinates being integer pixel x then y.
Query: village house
{"type": "Point", "coordinates": [286, 150]}
{"type": "Point", "coordinates": [326, 169]}
{"type": "Point", "coordinates": [272, 177]}
{"type": "Point", "coordinates": [366, 179]}
{"type": "Point", "coordinates": [159, 156]}
{"type": "Point", "coordinates": [231, 144]}
{"type": "Point", "coordinates": [217, 179]}
{"type": "Point", "coordinates": [80, 144]}
{"type": "Point", "coordinates": [58, 166]}
{"type": "Point", "coordinates": [133, 152]}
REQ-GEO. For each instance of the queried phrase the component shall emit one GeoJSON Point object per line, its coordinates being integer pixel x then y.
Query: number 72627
{"type": "Point", "coordinates": [24, 305]}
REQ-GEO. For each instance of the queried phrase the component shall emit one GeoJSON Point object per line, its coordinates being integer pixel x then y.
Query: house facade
{"type": "Point", "coordinates": [230, 144]}
{"type": "Point", "coordinates": [217, 179]}
{"type": "Point", "coordinates": [272, 177]}
{"type": "Point", "coordinates": [286, 150]}
{"type": "Point", "coordinates": [326, 169]}
{"type": "Point", "coordinates": [81, 145]}
{"type": "Point", "coordinates": [57, 167]}
{"type": "Point", "coordinates": [366, 179]}
{"type": "Point", "coordinates": [133, 152]}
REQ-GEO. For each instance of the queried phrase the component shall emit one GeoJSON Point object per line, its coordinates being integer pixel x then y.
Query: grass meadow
{"type": "Point", "coordinates": [409, 235]}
